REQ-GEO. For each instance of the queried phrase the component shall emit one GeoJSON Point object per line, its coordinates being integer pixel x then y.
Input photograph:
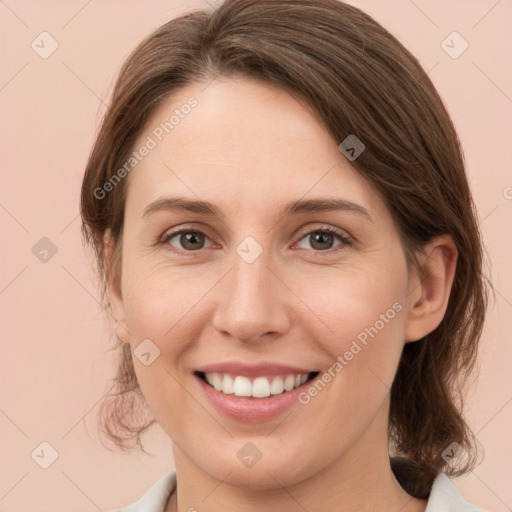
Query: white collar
{"type": "Point", "coordinates": [444, 497]}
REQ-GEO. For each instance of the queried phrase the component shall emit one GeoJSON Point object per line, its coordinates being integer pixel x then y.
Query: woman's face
{"type": "Point", "coordinates": [254, 291]}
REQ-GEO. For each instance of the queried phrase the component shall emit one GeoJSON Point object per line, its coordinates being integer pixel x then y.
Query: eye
{"type": "Point", "coordinates": [193, 240]}
{"type": "Point", "coordinates": [321, 239]}
{"type": "Point", "coordinates": [190, 239]}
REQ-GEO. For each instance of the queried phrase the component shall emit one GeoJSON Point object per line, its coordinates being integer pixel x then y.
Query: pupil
{"type": "Point", "coordinates": [320, 235]}
{"type": "Point", "coordinates": [188, 239]}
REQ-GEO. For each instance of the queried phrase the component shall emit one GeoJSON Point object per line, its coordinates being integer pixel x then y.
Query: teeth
{"type": "Point", "coordinates": [217, 382]}
{"type": "Point", "coordinates": [260, 387]}
{"type": "Point", "coordinates": [227, 385]}
{"type": "Point", "coordinates": [277, 386]}
{"type": "Point", "coordinates": [241, 387]}
{"type": "Point", "coordinates": [289, 383]}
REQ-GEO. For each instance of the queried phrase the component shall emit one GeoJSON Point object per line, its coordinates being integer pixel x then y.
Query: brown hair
{"type": "Point", "coordinates": [357, 79]}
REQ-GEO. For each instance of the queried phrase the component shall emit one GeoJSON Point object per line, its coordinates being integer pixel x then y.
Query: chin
{"type": "Point", "coordinates": [267, 472]}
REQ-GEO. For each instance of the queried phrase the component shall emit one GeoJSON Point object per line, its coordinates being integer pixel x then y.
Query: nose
{"type": "Point", "coordinates": [251, 305]}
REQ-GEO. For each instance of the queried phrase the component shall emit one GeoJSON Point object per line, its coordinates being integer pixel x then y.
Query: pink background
{"type": "Point", "coordinates": [55, 363]}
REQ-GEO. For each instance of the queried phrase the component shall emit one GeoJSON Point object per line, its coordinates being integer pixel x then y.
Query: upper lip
{"type": "Point", "coordinates": [252, 370]}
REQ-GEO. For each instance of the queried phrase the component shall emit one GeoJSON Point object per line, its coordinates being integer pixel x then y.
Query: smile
{"type": "Point", "coordinates": [253, 392]}
{"type": "Point", "coordinates": [256, 387]}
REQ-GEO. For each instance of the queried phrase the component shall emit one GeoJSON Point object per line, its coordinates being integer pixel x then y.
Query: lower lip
{"type": "Point", "coordinates": [251, 409]}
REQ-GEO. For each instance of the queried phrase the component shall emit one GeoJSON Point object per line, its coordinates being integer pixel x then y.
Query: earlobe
{"type": "Point", "coordinates": [114, 289]}
{"type": "Point", "coordinates": [429, 293]}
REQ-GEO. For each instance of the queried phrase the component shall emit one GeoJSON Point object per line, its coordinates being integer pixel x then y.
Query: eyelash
{"type": "Point", "coordinates": [324, 230]}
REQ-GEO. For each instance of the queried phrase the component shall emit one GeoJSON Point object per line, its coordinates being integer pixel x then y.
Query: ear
{"type": "Point", "coordinates": [429, 292]}
{"type": "Point", "coordinates": [114, 290]}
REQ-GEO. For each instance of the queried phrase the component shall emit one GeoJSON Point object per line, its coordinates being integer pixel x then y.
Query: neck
{"type": "Point", "coordinates": [359, 481]}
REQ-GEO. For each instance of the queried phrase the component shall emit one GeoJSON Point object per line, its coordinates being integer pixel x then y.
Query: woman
{"type": "Point", "coordinates": [287, 241]}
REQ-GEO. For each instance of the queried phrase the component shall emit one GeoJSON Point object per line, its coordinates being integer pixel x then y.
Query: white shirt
{"type": "Point", "coordinates": [444, 497]}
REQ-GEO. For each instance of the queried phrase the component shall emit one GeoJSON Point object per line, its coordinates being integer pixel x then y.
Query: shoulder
{"type": "Point", "coordinates": [155, 498]}
{"type": "Point", "coordinates": [445, 497]}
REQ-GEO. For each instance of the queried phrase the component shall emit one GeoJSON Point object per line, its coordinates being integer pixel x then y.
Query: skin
{"type": "Point", "coordinates": [249, 148]}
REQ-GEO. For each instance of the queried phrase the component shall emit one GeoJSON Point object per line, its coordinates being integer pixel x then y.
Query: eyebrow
{"type": "Point", "coordinates": [291, 208]}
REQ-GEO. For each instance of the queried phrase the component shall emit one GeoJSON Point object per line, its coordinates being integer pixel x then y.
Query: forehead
{"type": "Point", "coordinates": [241, 140]}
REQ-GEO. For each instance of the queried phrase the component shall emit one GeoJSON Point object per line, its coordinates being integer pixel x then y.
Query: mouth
{"type": "Point", "coordinates": [255, 387]}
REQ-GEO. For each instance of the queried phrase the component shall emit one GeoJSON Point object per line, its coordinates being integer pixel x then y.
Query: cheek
{"type": "Point", "coordinates": [161, 301]}
{"type": "Point", "coordinates": [359, 323]}
{"type": "Point", "coordinates": [355, 305]}
{"type": "Point", "coordinates": [361, 331]}
{"type": "Point", "coordinates": [163, 305]}
{"type": "Point", "coordinates": [159, 307]}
